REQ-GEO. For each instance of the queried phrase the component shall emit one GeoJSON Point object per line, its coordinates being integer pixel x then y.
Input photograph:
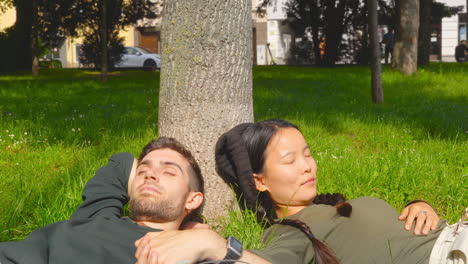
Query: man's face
{"type": "Point", "coordinates": [160, 188]}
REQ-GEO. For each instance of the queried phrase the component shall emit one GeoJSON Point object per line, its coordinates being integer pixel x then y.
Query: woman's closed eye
{"type": "Point", "coordinates": [289, 159]}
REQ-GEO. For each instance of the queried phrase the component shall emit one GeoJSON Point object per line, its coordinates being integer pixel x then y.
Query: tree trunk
{"type": "Point", "coordinates": [23, 26]}
{"type": "Point", "coordinates": [206, 81]}
{"type": "Point", "coordinates": [424, 41]}
{"type": "Point", "coordinates": [405, 50]}
{"type": "Point", "coordinates": [314, 14]}
{"type": "Point", "coordinates": [376, 68]}
{"type": "Point", "coordinates": [334, 16]}
{"type": "Point", "coordinates": [104, 40]}
{"type": "Point", "coordinates": [34, 41]}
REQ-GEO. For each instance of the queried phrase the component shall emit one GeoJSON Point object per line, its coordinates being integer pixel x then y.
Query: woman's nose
{"type": "Point", "coordinates": [306, 166]}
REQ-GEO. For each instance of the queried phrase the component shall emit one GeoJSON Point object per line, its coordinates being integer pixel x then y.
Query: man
{"type": "Point", "coordinates": [388, 40]}
{"type": "Point", "coordinates": [96, 232]}
{"type": "Point", "coordinates": [460, 51]}
{"type": "Point", "coordinates": [165, 189]}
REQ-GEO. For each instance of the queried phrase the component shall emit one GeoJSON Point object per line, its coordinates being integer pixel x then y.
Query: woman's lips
{"type": "Point", "coordinates": [309, 181]}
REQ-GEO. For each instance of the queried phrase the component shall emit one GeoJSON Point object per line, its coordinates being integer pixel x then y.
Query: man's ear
{"type": "Point", "coordinates": [260, 182]}
{"type": "Point", "coordinates": [131, 177]}
{"type": "Point", "coordinates": [194, 200]}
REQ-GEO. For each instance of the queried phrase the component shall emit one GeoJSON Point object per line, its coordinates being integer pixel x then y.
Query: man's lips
{"type": "Point", "coordinates": [149, 188]}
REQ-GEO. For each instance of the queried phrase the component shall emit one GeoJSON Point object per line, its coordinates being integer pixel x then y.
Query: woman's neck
{"type": "Point", "coordinates": [287, 210]}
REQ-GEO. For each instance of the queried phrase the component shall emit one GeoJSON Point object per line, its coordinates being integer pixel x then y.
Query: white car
{"type": "Point", "coordinates": [139, 57]}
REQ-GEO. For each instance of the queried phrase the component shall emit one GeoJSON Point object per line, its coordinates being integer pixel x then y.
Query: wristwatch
{"type": "Point", "coordinates": [234, 248]}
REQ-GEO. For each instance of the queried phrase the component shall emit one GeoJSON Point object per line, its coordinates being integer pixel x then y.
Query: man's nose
{"type": "Point", "coordinates": [152, 176]}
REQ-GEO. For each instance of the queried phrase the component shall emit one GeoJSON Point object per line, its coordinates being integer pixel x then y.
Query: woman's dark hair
{"type": "Point", "coordinates": [240, 152]}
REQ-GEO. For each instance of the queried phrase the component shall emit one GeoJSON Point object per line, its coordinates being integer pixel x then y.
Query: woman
{"type": "Point", "coordinates": [271, 169]}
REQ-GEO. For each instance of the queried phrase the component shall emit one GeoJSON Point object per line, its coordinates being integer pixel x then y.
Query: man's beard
{"type": "Point", "coordinates": [157, 210]}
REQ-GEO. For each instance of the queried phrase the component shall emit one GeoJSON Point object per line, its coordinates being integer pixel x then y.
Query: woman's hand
{"type": "Point", "coordinates": [425, 216]}
{"type": "Point", "coordinates": [169, 247]}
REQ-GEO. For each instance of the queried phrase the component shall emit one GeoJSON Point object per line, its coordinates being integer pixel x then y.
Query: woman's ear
{"type": "Point", "coordinates": [194, 200]}
{"type": "Point", "coordinates": [260, 182]}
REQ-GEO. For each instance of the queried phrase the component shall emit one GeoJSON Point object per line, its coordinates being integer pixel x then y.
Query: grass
{"type": "Point", "coordinates": [55, 131]}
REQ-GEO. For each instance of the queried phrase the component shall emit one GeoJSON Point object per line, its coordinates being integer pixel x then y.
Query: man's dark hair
{"type": "Point", "coordinates": [196, 182]}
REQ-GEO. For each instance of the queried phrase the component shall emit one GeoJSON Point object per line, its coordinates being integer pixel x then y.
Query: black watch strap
{"type": "Point", "coordinates": [234, 249]}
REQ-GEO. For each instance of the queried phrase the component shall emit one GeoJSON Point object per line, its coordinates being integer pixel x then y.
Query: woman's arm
{"type": "Point", "coordinates": [422, 214]}
{"type": "Point", "coordinates": [169, 247]}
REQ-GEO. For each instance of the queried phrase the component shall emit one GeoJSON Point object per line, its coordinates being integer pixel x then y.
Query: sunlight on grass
{"type": "Point", "coordinates": [56, 130]}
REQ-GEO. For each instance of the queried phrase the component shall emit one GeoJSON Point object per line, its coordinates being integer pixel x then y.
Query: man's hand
{"type": "Point", "coordinates": [169, 247]}
{"type": "Point", "coordinates": [425, 216]}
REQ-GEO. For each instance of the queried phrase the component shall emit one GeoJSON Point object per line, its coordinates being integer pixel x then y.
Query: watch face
{"type": "Point", "coordinates": [234, 248]}
{"type": "Point", "coordinates": [235, 244]}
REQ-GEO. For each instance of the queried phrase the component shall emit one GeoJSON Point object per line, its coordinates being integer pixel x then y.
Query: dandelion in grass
{"type": "Point", "coordinates": [73, 129]}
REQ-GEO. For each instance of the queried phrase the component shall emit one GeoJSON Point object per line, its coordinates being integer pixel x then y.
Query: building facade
{"type": "Point", "coordinates": [452, 31]}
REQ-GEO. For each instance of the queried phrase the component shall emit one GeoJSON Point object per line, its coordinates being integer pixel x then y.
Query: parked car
{"type": "Point", "coordinates": [139, 57]}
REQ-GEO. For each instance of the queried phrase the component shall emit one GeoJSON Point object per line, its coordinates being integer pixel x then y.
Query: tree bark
{"type": "Point", "coordinates": [376, 68]}
{"type": "Point", "coordinates": [424, 42]}
{"type": "Point", "coordinates": [104, 40]}
{"type": "Point", "coordinates": [206, 81]}
{"type": "Point", "coordinates": [405, 50]}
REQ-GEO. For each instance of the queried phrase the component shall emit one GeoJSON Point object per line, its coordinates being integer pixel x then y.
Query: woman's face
{"type": "Point", "coordinates": [289, 172]}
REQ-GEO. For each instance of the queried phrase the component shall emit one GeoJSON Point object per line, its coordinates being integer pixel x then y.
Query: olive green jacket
{"type": "Point", "coordinates": [372, 234]}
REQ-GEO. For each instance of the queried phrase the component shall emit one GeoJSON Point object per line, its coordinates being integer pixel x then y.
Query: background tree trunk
{"type": "Point", "coordinates": [376, 68]}
{"type": "Point", "coordinates": [424, 41]}
{"type": "Point", "coordinates": [104, 40]}
{"type": "Point", "coordinates": [23, 26]}
{"type": "Point", "coordinates": [206, 81]}
{"type": "Point", "coordinates": [34, 40]}
{"type": "Point", "coordinates": [405, 50]}
{"type": "Point", "coordinates": [334, 15]}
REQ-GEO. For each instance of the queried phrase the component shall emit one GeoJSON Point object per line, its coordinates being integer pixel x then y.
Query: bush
{"type": "Point", "coordinates": [91, 49]}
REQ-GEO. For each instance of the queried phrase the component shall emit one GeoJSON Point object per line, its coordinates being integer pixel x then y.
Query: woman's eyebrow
{"type": "Point", "coordinates": [285, 154]}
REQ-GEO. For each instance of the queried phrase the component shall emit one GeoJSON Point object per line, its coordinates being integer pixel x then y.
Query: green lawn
{"type": "Point", "coordinates": [55, 131]}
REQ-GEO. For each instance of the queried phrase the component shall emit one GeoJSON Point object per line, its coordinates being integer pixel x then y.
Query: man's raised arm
{"type": "Point", "coordinates": [107, 192]}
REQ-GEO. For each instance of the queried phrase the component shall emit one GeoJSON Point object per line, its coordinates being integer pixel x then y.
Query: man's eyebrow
{"type": "Point", "coordinates": [173, 164]}
{"type": "Point", "coordinates": [146, 162]}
